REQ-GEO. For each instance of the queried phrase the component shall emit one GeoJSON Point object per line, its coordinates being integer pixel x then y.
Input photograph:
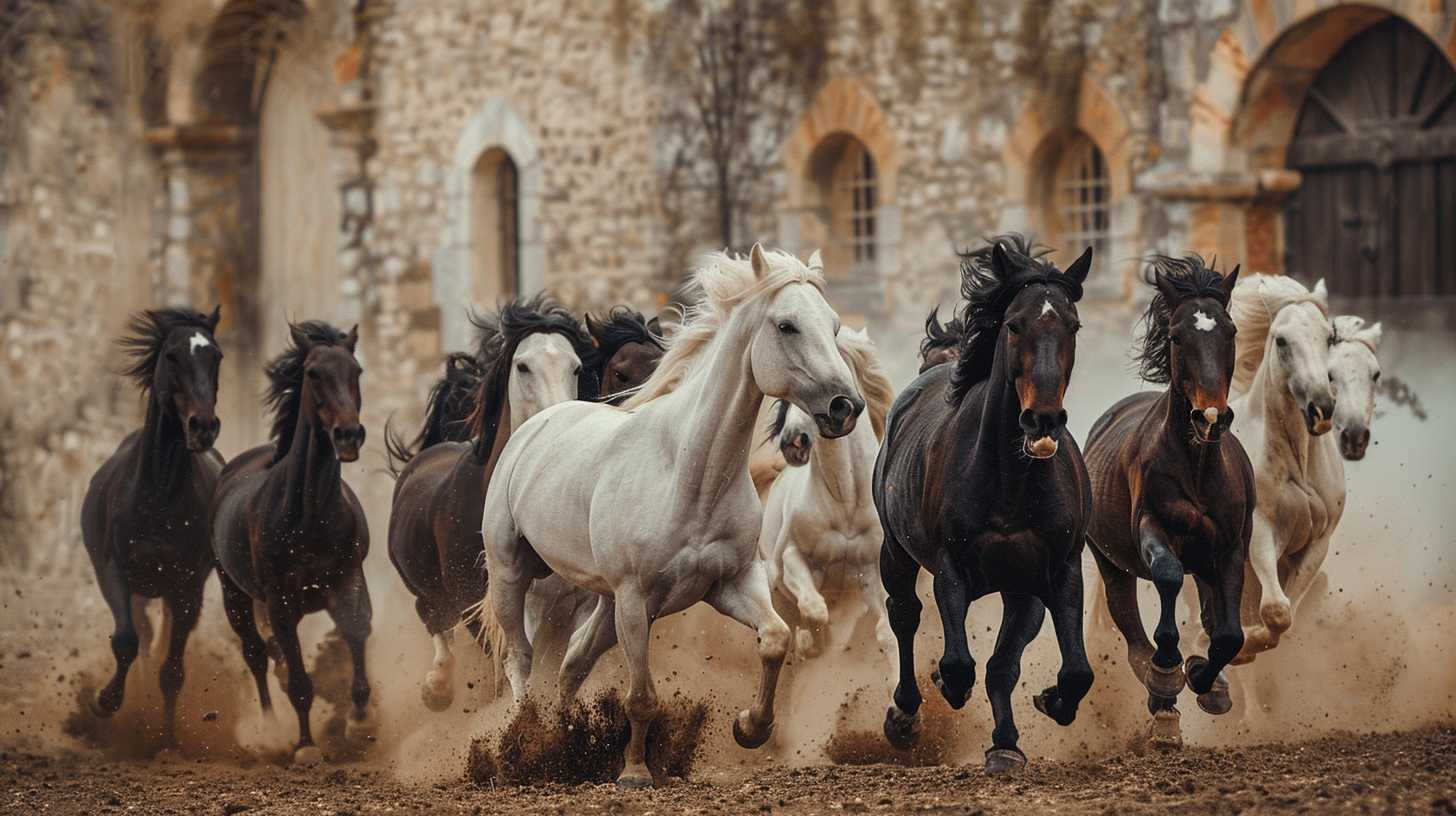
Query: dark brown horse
{"type": "Point", "coordinates": [532, 355]}
{"type": "Point", "coordinates": [289, 533]}
{"type": "Point", "coordinates": [942, 343]}
{"type": "Point", "coordinates": [144, 519]}
{"type": "Point", "coordinates": [628, 349]}
{"type": "Point", "coordinates": [1174, 491]}
{"type": "Point", "coordinates": [979, 483]}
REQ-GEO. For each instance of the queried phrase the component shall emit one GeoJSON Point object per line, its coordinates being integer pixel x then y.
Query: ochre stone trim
{"type": "Point", "coordinates": [843, 105]}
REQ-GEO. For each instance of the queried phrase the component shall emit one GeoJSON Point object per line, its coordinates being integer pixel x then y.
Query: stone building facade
{"type": "Point", "coordinates": [389, 162]}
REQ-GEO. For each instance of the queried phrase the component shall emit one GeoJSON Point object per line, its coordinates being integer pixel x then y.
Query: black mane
{"type": "Point", "coordinates": [987, 297]}
{"type": "Point", "coordinates": [147, 333]}
{"type": "Point", "coordinates": [778, 420]}
{"type": "Point", "coordinates": [450, 403]}
{"type": "Point", "coordinates": [285, 379]}
{"type": "Point", "coordinates": [622, 325]}
{"type": "Point", "coordinates": [941, 336]}
{"type": "Point", "coordinates": [1190, 277]}
{"type": "Point", "coordinates": [500, 333]}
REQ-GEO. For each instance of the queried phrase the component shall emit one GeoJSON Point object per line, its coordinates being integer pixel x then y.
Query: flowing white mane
{"type": "Point", "coordinates": [1257, 299]}
{"type": "Point", "coordinates": [859, 351]}
{"type": "Point", "coordinates": [1351, 329]}
{"type": "Point", "coordinates": [726, 282]}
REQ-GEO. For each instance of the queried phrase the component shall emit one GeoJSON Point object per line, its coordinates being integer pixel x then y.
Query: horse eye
{"type": "Point", "coordinates": [1281, 342]}
{"type": "Point", "coordinates": [523, 368]}
{"type": "Point", "coordinates": [788, 328]}
{"type": "Point", "coordinates": [1076, 327]}
{"type": "Point", "coordinates": [1375, 377]}
{"type": "Point", "coordinates": [312, 373]}
{"type": "Point", "coordinates": [576, 372]}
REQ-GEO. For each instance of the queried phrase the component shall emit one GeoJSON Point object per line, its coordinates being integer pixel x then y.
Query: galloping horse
{"type": "Point", "coordinates": [820, 534]}
{"type": "Point", "coordinates": [979, 483]}
{"type": "Point", "coordinates": [447, 418]}
{"type": "Point", "coordinates": [1283, 418]}
{"type": "Point", "coordinates": [1354, 380]}
{"type": "Point", "coordinates": [942, 343]}
{"type": "Point", "coordinates": [144, 519]}
{"type": "Point", "coordinates": [650, 505]}
{"type": "Point", "coordinates": [287, 530]}
{"type": "Point", "coordinates": [1174, 492]}
{"type": "Point", "coordinates": [533, 354]}
{"type": "Point", "coordinates": [628, 349]}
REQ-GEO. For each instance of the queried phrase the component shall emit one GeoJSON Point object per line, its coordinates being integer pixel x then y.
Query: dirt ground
{"type": "Point", "coordinates": [1407, 772]}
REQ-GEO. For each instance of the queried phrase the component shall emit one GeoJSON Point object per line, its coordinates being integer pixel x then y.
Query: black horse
{"type": "Point", "coordinates": [979, 483]}
{"type": "Point", "coordinates": [1174, 491]}
{"type": "Point", "coordinates": [629, 347]}
{"type": "Point", "coordinates": [439, 497]}
{"type": "Point", "coordinates": [451, 401]}
{"type": "Point", "coordinates": [144, 519]}
{"type": "Point", "coordinates": [942, 343]}
{"type": "Point", "coordinates": [288, 532]}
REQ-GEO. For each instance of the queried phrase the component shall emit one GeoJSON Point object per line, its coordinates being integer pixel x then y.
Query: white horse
{"type": "Point", "coordinates": [1283, 418]}
{"type": "Point", "coordinates": [821, 535]}
{"type": "Point", "coordinates": [1354, 380]}
{"type": "Point", "coordinates": [650, 505]}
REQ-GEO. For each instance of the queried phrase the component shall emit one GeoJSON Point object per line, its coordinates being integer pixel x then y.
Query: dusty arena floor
{"type": "Point", "coordinates": [1408, 772]}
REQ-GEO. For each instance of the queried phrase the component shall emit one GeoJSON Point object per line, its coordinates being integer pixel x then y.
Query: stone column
{"type": "Point", "coordinates": [351, 136]}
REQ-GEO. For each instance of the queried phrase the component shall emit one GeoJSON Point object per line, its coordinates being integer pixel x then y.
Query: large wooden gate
{"type": "Point", "coordinates": [1376, 145]}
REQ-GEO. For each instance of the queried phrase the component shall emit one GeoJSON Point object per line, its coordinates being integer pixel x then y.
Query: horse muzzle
{"type": "Point", "coordinates": [843, 412]}
{"type": "Point", "coordinates": [348, 439]}
{"type": "Point", "coordinates": [795, 447]}
{"type": "Point", "coordinates": [202, 432]}
{"type": "Point", "coordinates": [1319, 417]}
{"type": "Point", "coordinates": [1210, 424]}
{"type": "Point", "coordinates": [1041, 432]}
{"type": "Point", "coordinates": [1353, 443]}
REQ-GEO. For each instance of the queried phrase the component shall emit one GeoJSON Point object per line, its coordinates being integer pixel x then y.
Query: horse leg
{"type": "Point", "coordinates": [898, 573]}
{"type": "Point", "coordinates": [438, 690]}
{"type": "Point", "coordinates": [284, 618]}
{"type": "Point", "coordinates": [1165, 676]}
{"type": "Point", "coordinates": [872, 593]}
{"type": "Point", "coordinates": [1122, 605]}
{"type": "Point", "coordinates": [1304, 567]}
{"type": "Point", "coordinates": [146, 636]}
{"type": "Point", "coordinates": [746, 599]}
{"type": "Point", "coordinates": [588, 644]}
{"type": "Point", "coordinates": [1074, 678]}
{"type": "Point", "coordinates": [184, 612]}
{"type": "Point", "coordinates": [812, 611]}
{"type": "Point", "coordinates": [239, 607]}
{"type": "Point", "coordinates": [957, 672]}
{"type": "Point", "coordinates": [1021, 619]}
{"type": "Point", "coordinates": [352, 612]}
{"type": "Point", "coordinates": [634, 627]}
{"type": "Point", "coordinates": [1225, 636]}
{"type": "Point", "coordinates": [124, 641]}
{"type": "Point", "coordinates": [1273, 603]}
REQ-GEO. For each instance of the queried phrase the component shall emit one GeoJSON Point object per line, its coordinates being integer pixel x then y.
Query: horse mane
{"type": "Point", "coordinates": [941, 335]}
{"type": "Point", "coordinates": [725, 281]}
{"type": "Point", "coordinates": [285, 379]}
{"type": "Point", "coordinates": [1190, 277]}
{"type": "Point", "coordinates": [623, 325]}
{"type": "Point", "coordinates": [859, 352]}
{"type": "Point", "coordinates": [1351, 329]}
{"type": "Point", "coordinates": [499, 334]}
{"type": "Point", "coordinates": [987, 297]}
{"type": "Point", "coordinates": [147, 332]}
{"type": "Point", "coordinates": [450, 402]}
{"type": "Point", "coordinates": [1256, 301]}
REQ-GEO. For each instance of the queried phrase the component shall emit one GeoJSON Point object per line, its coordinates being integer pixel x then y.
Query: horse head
{"type": "Point", "coordinates": [176, 358]}
{"type": "Point", "coordinates": [1190, 324]}
{"type": "Point", "coordinates": [629, 348]}
{"type": "Point", "coordinates": [1354, 378]}
{"type": "Point", "coordinates": [330, 394]}
{"type": "Point", "coordinates": [1299, 341]}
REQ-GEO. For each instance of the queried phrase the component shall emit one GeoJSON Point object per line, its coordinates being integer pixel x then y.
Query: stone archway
{"type": "Point", "coordinates": [495, 126]}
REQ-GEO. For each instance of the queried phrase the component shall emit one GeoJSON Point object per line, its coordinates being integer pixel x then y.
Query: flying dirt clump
{"type": "Point", "coordinates": [851, 744]}
{"type": "Point", "coordinates": [584, 742]}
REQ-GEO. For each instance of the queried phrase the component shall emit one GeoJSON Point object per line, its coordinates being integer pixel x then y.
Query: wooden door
{"type": "Point", "coordinates": [1376, 146]}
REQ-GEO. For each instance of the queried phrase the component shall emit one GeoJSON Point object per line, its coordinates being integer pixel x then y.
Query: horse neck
{"type": "Point", "coordinates": [720, 406]}
{"type": "Point", "coordinates": [1178, 432]}
{"type": "Point", "coordinates": [997, 431]}
{"type": "Point", "coordinates": [162, 455]}
{"type": "Point", "coordinates": [1284, 430]}
{"type": "Point", "coordinates": [842, 467]}
{"type": "Point", "coordinates": [312, 477]}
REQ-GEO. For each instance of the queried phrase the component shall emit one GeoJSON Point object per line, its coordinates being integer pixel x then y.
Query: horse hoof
{"type": "Point", "coordinates": [901, 729]}
{"type": "Point", "coordinates": [100, 709]}
{"type": "Point", "coordinates": [1216, 699]}
{"type": "Point", "coordinates": [360, 731]}
{"type": "Point", "coordinates": [1004, 760]}
{"type": "Point", "coordinates": [308, 756]}
{"type": "Point", "coordinates": [1165, 733]}
{"type": "Point", "coordinates": [1047, 703]}
{"type": "Point", "coordinates": [746, 734]}
{"type": "Point", "coordinates": [635, 781]}
{"type": "Point", "coordinates": [436, 699]}
{"type": "Point", "coordinates": [1165, 682]}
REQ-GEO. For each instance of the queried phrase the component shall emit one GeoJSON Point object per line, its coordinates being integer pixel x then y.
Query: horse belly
{"type": "Point", "coordinates": [1012, 562]}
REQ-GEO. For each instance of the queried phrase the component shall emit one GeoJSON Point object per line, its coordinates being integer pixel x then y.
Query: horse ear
{"type": "Point", "coordinates": [1080, 267]}
{"type": "Point", "coordinates": [352, 338]}
{"type": "Point", "coordinates": [593, 328]}
{"type": "Point", "coordinates": [655, 326]}
{"type": "Point", "coordinates": [1000, 262]}
{"type": "Point", "coordinates": [760, 263]}
{"type": "Point", "coordinates": [816, 261]}
{"type": "Point", "coordinates": [1229, 281]}
{"type": "Point", "coordinates": [1165, 287]}
{"type": "Point", "coordinates": [300, 338]}
{"type": "Point", "coordinates": [1372, 336]}
{"type": "Point", "coordinates": [213, 318]}
{"type": "Point", "coordinates": [1321, 293]}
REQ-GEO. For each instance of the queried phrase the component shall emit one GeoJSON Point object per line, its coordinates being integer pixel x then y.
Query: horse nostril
{"type": "Point", "coordinates": [841, 408]}
{"type": "Point", "coordinates": [1027, 420]}
{"type": "Point", "coordinates": [1062, 419]}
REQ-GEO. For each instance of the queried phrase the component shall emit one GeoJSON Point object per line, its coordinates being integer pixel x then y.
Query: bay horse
{"type": "Point", "coordinates": [628, 349]}
{"type": "Point", "coordinates": [650, 505]}
{"type": "Point", "coordinates": [1174, 491]}
{"type": "Point", "coordinates": [979, 483]}
{"type": "Point", "coordinates": [144, 518]}
{"type": "Point", "coordinates": [533, 353]}
{"type": "Point", "coordinates": [942, 342]}
{"type": "Point", "coordinates": [820, 538]}
{"type": "Point", "coordinates": [1283, 416]}
{"type": "Point", "coordinates": [287, 530]}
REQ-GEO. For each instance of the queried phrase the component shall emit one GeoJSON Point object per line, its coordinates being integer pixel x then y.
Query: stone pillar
{"type": "Point", "coordinates": [352, 142]}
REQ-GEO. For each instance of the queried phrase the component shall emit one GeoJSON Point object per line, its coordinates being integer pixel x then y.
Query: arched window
{"type": "Point", "coordinates": [495, 231]}
{"type": "Point", "coordinates": [1082, 196]}
{"type": "Point", "coordinates": [859, 201]}
{"type": "Point", "coordinates": [847, 179]}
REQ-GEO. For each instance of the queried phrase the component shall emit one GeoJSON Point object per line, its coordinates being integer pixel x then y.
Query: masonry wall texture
{"type": "Point", "coordinates": [142, 181]}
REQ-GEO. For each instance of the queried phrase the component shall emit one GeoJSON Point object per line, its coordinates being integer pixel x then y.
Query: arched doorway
{"type": "Point", "coordinates": [1375, 144]}
{"type": "Point", "coordinates": [845, 177]}
{"type": "Point", "coordinates": [495, 229]}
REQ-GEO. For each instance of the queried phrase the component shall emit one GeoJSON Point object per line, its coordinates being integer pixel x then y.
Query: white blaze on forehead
{"type": "Point", "coordinates": [197, 341]}
{"type": "Point", "coordinates": [1202, 322]}
{"type": "Point", "coordinates": [1047, 308]}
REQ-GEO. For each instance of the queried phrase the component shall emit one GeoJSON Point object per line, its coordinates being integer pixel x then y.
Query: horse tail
{"type": "Point", "coordinates": [480, 620]}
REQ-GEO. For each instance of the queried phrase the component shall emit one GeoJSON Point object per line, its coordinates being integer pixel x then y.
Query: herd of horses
{"type": "Point", "coordinates": [576, 480]}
